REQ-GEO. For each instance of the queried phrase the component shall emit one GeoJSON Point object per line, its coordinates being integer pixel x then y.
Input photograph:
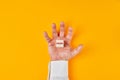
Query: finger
{"type": "Point", "coordinates": [47, 37]}
{"type": "Point", "coordinates": [70, 33]}
{"type": "Point", "coordinates": [62, 29]}
{"type": "Point", "coordinates": [54, 31]}
{"type": "Point", "coordinates": [77, 50]}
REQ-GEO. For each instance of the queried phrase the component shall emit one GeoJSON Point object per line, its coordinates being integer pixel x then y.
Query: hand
{"type": "Point", "coordinates": [63, 53]}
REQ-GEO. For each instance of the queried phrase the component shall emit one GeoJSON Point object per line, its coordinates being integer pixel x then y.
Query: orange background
{"type": "Point", "coordinates": [96, 24]}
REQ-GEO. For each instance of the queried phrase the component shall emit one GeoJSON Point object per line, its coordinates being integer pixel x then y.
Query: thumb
{"type": "Point", "coordinates": [77, 50]}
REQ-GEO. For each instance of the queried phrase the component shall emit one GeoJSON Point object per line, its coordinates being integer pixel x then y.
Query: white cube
{"type": "Point", "coordinates": [59, 43]}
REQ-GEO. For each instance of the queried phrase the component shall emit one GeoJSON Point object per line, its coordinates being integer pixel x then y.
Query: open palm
{"type": "Point", "coordinates": [63, 53]}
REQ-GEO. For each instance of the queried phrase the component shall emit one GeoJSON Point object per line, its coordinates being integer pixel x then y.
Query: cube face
{"type": "Point", "coordinates": [59, 43]}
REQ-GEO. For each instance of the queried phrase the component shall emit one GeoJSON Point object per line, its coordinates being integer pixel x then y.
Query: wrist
{"type": "Point", "coordinates": [58, 58]}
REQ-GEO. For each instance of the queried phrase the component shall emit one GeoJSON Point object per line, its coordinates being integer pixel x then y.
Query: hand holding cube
{"type": "Point", "coordinates": [59, 45]}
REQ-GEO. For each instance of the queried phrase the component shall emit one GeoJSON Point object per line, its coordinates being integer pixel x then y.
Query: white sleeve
{"type": "Point", "coordinates": [58, 70]}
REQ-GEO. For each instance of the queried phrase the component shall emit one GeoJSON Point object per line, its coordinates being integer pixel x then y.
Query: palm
{"type": "Point", "coordinates": [59, 52]}
{"type": "Point", "coordinates": [65, 52]}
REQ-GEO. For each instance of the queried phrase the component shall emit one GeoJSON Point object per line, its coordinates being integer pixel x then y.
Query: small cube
{"type": "Point", "coordinates": [59, 43]}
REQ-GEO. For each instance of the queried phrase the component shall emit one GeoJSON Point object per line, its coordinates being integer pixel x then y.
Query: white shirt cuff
{"type": "Point", "coordinates": [58, 70]}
